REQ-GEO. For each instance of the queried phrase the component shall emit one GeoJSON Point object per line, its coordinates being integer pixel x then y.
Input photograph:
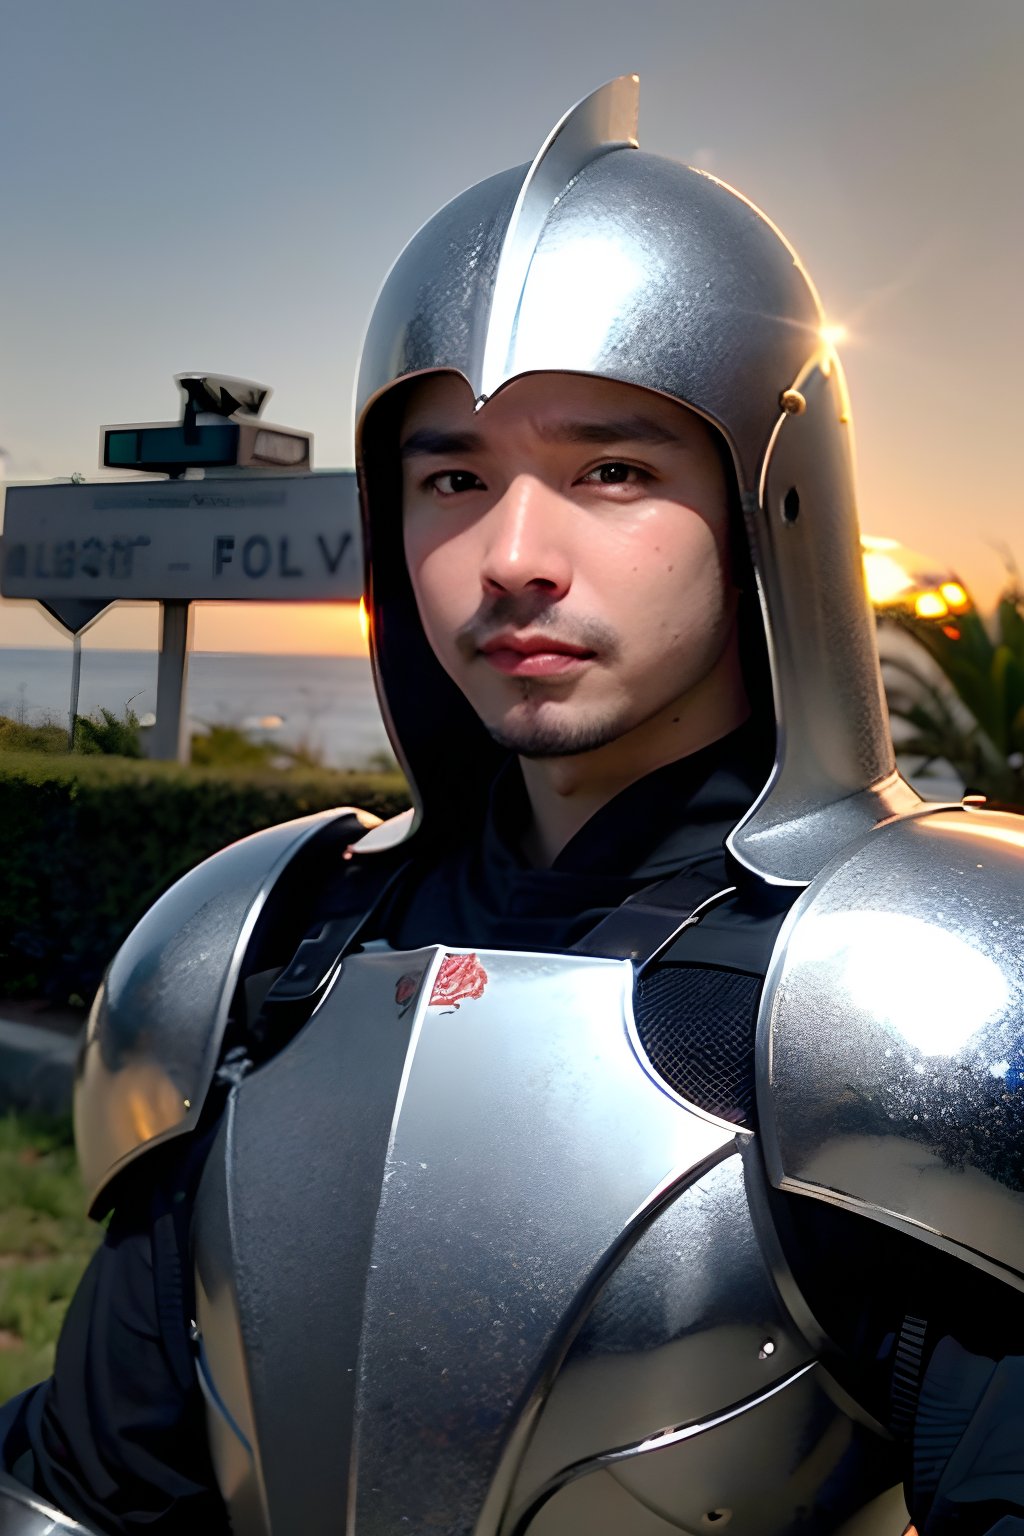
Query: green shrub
{"type": "Point", "coordinates": [88, 842]}
{"type": "Point", "coordinates": [970, 715]}
{"type": "Point", "coordinates": [100, 732]}
{"type": "Point", "coordinates": [103, 731]}
{"type": "Point", "coordinates": [228, 746]}
{"type": "Point", "coordinates": [16, 736]}
{"type": "Point", "coordinates": [225, 746]}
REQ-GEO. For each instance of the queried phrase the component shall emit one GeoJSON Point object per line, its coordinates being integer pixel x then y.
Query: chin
{"type": "Point", "coordinates": [537, 738]}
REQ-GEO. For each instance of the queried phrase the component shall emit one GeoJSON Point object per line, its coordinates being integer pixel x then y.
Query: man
{"type": "Point", "coordinates": [477, 1210]}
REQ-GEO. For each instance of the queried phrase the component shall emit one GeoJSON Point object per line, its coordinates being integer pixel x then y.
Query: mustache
{"type": "Point", "coordinates": [522, 611]}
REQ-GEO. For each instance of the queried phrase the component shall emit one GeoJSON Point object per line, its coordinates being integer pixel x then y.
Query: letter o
{"type": "Point", "coordinates": [256, 555]}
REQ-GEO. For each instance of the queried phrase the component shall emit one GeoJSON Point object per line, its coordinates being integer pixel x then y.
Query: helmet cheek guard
{"type": "Point", "coordinates": [602, 260]}
{"type": "Point", "coordinates": [835, 773]}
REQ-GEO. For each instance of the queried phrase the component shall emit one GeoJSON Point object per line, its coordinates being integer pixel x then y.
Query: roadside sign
{"type": "Point", "coordinates": [74, 613]}
{"type": "Point", "coordinates": [245, 538]}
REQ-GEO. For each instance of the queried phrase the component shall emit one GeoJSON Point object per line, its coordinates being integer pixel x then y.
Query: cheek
{"type": "Point", "coordinates": [442, 592]}
{"type": "Point", "coordinates": [679, 586]}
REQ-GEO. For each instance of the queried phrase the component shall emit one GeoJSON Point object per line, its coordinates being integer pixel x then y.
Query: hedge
{"type": "Point", "coordinates": [88, 843]}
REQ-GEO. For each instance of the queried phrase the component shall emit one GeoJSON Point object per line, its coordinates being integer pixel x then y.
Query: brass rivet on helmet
{"type": "Point", "coordinates": [792, 402]}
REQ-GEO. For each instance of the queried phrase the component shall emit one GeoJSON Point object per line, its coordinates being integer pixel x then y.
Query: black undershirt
{"type": "Point", "coordinates": [480, 890]}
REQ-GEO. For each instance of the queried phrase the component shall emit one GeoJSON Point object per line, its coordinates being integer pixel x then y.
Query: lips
{"type": "Point", "coordinates": [534, 655]}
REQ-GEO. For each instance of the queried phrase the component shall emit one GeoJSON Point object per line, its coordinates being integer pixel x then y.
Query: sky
{"type": "Point", "coordinates": [223, 187]}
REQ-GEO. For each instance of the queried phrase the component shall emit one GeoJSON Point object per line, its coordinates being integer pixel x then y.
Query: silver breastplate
{"type": "Point", "coordinates": [466, 1264]}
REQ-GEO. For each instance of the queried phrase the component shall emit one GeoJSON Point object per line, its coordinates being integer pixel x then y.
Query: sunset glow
{"type": "Point", "coordinates": [300, 629]}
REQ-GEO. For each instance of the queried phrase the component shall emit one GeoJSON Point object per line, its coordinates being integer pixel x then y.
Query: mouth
{"type": "Point", "coordinates": [534, 655]}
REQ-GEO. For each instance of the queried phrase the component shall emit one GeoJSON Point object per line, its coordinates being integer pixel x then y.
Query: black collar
{"type": "Point", "coordinates": [474, 889]}
{"type": "Point", "coordinates": [649, 828]}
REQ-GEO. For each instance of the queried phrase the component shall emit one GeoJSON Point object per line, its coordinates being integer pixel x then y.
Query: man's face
{"type": "Point", "coordinates": [567, 547]}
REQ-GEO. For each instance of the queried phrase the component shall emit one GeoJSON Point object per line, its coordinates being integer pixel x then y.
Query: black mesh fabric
{"type": "Point", "coordinates": [696, 1025]}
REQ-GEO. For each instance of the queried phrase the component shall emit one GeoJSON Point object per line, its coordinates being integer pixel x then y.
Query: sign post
{"type": "Point", "coordinates": [170, 733]}
{"type": "Point", "coordinates": [252, 534]}
{"type": "Point", "coordinates": [76, 679]}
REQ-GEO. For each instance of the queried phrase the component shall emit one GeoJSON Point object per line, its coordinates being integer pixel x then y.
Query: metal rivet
{"type": "Point", "coordinates": [767, 1349]}
{"type": "Point", "coordinates": [792, 402]}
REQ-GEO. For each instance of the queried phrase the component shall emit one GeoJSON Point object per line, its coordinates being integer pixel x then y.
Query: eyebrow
{"type": "Point", "coordinates": [437, 443]}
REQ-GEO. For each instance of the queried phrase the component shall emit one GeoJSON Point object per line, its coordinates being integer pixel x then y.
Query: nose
{"type": "Point", "coordinates": [525, 544]}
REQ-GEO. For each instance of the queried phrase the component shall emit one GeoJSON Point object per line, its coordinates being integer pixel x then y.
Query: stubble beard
{"type": "Point", "coordinates": [533, 737]}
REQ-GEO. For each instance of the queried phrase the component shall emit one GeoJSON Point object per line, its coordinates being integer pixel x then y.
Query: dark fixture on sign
{"type": "Point", "coordinates": [220, 429]}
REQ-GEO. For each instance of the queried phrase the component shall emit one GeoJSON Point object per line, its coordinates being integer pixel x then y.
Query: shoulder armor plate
{"type": "Point", "coordinates": [891, 1036]}
{"type": "Point", "coordinates": [156, 1029]}
{"type": "Point", "coordinates": [24, 1513]}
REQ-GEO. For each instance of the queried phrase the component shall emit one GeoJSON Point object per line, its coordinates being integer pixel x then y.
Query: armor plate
{"type": "Point", "coordinates": [23, 1513]}
{"type": "Point", "coordinates": [156, 1029]}
{"type": "Point", "coordinates": [892, 1035]}
{"type": "Point", "coordinates": [463, 1258]}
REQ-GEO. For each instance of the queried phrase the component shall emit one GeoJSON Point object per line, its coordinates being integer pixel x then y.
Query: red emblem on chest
{"type": "Point", "coordinates": [405, 988]}
{"type": "Point", "coordinates": [460, 977]}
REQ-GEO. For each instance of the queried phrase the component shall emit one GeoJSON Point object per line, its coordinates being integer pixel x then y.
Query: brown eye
{"type": "Point", "coordinates": [615, 473]}
{"type": "Point", "coordinates": [451, 482]}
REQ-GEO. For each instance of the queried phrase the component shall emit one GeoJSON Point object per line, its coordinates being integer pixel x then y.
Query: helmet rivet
{"type": "Point", "coordinates": [792, 402]}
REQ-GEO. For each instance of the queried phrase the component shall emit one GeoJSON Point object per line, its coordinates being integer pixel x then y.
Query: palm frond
{"type": "Point", "coordinates": [964, 703]}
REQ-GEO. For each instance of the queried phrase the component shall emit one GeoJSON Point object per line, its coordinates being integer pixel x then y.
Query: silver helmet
{"type": "Point", "coordinates": [600, 259]}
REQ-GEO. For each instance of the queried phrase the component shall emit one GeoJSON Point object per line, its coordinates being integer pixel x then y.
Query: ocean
{"type": "Point", "coordinates": [326, 703]}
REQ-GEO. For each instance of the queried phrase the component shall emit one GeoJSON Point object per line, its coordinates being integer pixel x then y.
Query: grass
{"type": "Point", "coordinates": [45, 1243]}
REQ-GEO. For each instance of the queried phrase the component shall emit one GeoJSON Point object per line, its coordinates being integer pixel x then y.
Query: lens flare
{"type": "Point", "coordinates": [955, 595]}
{"type": "Point", "coordinates": [931, 605]}
{"type": "Point", "coordinates": [886, 579]}
{"type": "Point", "coordinates": [903, 579]}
